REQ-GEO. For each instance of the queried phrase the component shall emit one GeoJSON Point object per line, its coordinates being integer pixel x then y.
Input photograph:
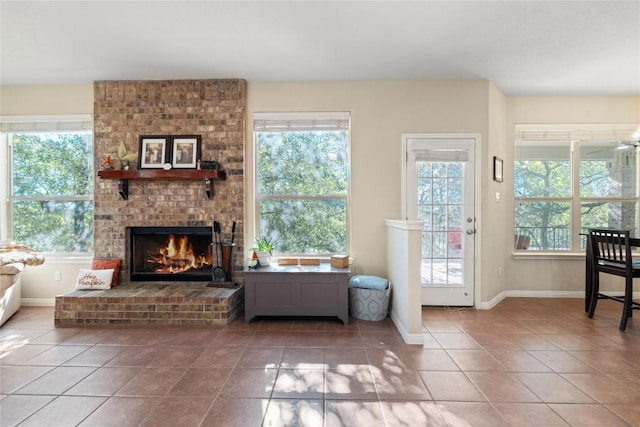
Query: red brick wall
{"type": "Point", "coordinates": [124, 110]}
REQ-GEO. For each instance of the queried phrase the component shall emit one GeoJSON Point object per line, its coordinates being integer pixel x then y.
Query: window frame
{"type": "Point", "coordinates": [573, 135]}
{"type": "Point", "coordinates": [293, 121]}
{"type": "Point", "coordinates": [53, 124]}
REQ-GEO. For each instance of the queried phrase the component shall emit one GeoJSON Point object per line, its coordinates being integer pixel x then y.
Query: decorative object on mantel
{"type": "Point", "coordinates": [125, 156]}
{"type": "Point", "coordinates": [209, 164]}
{"type": "Point", "coordinates": [106, 163]}
{"type": "Point", "coordinates": [153, 151]}
{"type": "Point", "coordinates": [185, 151]}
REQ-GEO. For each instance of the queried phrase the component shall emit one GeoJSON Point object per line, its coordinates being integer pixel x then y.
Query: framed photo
{"type": "Point", "coordinates": [153, 151]}
{"type": "Point", "coordinates": [185, 151]}
{"type": "Point", "coordinates": [498, 167]}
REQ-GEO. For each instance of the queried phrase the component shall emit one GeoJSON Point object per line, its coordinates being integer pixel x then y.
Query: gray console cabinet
{"type": "Point", "coordinates": [297, 291]}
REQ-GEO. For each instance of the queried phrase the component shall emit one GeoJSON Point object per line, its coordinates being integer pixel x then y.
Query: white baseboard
{"type": "Point", "coordinates": [540, 294]}
{"type": "Point", "coordinates": [38, 302]}
{"type": "Point", "coordinates": [490, 304]}
{"type": "Point", "coordinates": [545, 294]}
{"type": "Point", "coordinates": [406, 336]}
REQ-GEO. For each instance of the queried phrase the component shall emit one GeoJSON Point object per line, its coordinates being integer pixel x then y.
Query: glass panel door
{"type": "Point", "coordinates": [440, 193]}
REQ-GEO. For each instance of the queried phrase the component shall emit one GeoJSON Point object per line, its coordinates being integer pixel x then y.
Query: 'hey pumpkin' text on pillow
{"type": "Point", "coordinates": [94, 279]}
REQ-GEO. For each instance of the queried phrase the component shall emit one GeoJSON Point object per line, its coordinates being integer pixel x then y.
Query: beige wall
{"type": "Point", "coordinates": [494, 251]}
{"type": "Point", "coordinates": [38, 284]}
{"type": "Point", "coordinates": [37, 100]}
{"type": "Point", "coordinates": [544, 274]}
{"type": "Point", "coordinates": [381, 112]}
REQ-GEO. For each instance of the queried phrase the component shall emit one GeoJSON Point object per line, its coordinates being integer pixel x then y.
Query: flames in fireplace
{"type": "Point", "coordinates": [177, 256]}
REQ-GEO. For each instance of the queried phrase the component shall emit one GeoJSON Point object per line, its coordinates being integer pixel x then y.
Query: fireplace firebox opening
{"type": "Point", "coordinates": [170, 254]}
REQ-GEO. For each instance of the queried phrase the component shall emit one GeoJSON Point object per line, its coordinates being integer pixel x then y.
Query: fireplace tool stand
{"type": "Point", "coordinates": [221, 273]}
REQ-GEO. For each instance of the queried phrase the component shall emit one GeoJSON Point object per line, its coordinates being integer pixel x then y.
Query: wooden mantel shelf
{"type": "Point", "coordinates": [123, 177]}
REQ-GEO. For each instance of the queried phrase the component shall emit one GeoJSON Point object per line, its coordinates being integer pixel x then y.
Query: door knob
{"type": "Point", "coordinates": [471, 231]}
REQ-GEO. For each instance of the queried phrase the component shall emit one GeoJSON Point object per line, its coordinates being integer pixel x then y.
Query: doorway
{"type": "Point", "coordinates": [440, 192]}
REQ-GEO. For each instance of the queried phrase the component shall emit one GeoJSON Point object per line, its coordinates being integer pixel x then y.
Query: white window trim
{"type": "Point", "coordinates": [267, 121]}
{"type": "Point", "coordinates": [571, 133]}
{"type": "Point", "coordinates": [10, 124]}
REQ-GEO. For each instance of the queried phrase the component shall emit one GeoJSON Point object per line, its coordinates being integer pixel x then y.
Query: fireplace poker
{"type": "Point", "coordinates": [229, 262]}
{"type": "Point", "coordinates": [233, 232]}
{"type": "Point", "coordinates": [218, 271]}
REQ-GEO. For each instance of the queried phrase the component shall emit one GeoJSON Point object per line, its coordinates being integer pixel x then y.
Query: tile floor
{"type": "Point", "coordinates": [527, 362]}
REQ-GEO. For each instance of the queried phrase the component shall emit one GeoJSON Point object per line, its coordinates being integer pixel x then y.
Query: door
{"type": "Point", "coordinates": [440, 191]}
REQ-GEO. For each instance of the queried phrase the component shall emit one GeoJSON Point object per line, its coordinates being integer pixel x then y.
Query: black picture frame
{"type": "Point", "coordinates": [153, 151]}
{"type": "Point", "coordinates": [498, 169]}
{"type": "Point", "coordinates": [185, 151]}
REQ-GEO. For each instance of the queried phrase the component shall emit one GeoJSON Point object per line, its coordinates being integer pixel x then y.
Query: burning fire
{"type": "Point", "coordinates": [178, 257]}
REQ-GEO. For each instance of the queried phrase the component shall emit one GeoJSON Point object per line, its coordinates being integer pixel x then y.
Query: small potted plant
{"type": "Point", "coordinates": [265, 247]}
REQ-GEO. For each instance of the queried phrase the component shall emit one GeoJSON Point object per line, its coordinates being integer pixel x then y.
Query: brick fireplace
{"type": "Point", "coordinates": [124, 110]}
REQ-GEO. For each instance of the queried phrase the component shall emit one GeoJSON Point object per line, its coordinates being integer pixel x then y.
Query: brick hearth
{"type": "Point", "coordinates": [150, 304]}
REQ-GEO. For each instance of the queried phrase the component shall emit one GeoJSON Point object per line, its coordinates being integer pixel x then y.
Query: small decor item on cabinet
{"type": "Point", "coordinates": [339, 261]}
{"type": "Point", "coordinates": [264, 258]}
{"type": "Point", "coordinates": [153, 151]}
{"type": "Point", "coordinates": [253, 260]}
{"type": "Point", "coordinates": [186, 151]}
{"type": "Point", "coordinates": [265, 249]}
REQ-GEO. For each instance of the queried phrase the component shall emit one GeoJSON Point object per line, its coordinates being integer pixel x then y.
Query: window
{"type": "Point", "coordinates": [567, 181]}
{"type": "Point", "coordinates": [302, 181]}
{"type": "Point", "coordinates": [50, 171]}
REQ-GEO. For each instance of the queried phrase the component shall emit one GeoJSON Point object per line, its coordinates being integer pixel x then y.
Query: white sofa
{"type": "Point", "coordinates": [13, 258]}
{"type": "Point", "coordinates": [9, 290]}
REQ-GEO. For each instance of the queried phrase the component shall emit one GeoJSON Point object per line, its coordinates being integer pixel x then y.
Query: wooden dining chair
{"type": "Point", "coordinates": [611, 254]}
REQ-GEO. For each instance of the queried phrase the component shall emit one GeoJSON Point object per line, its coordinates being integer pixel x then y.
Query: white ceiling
{"type": "Point", "coordinates": [524, 47]}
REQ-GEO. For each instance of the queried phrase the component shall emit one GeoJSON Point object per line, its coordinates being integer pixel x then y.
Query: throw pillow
{"type": "Point", "coordinates": [94, 279]}
{"type": "Point", "coordinates": [107, 264]}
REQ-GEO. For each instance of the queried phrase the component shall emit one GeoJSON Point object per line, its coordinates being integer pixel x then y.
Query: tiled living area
{"type": "Point", "coordinates": [537, 362]}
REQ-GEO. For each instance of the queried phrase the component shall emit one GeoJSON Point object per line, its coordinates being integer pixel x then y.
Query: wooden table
{"type": "Point", "coordinates": [319, 290]}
